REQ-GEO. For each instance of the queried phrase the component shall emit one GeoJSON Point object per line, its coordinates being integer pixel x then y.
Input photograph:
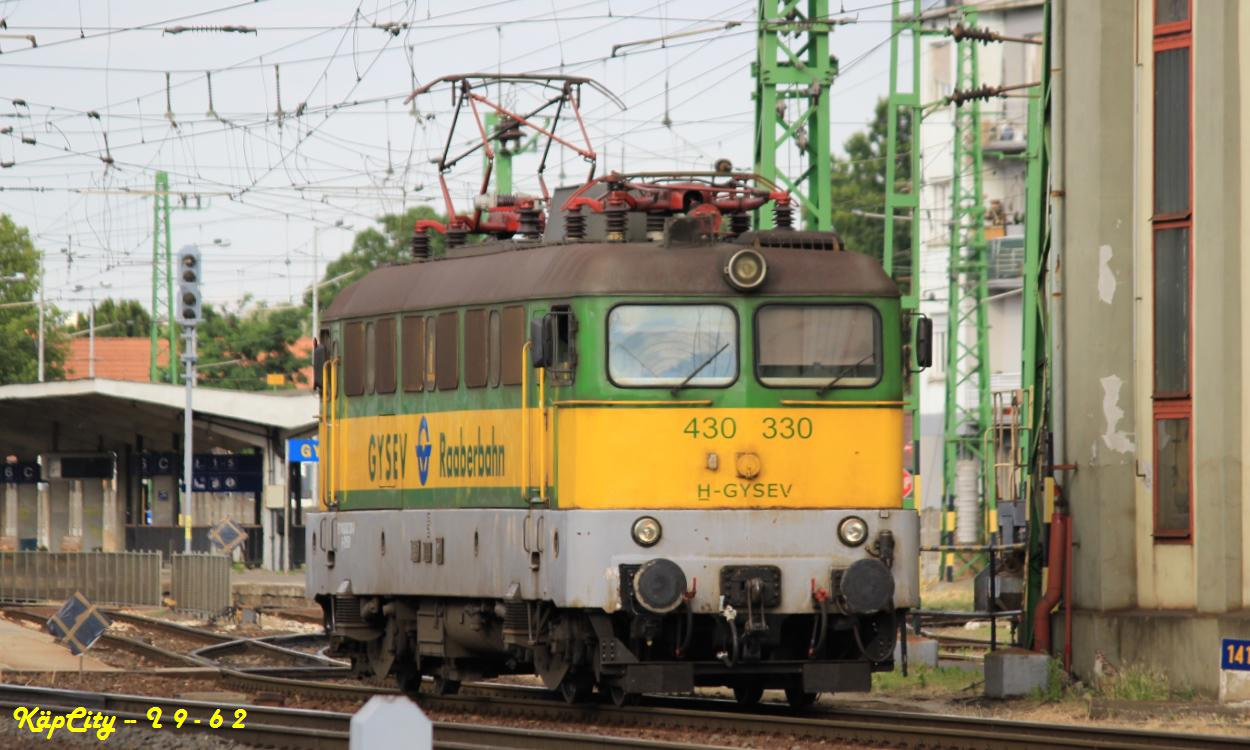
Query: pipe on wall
{"type": "Point", "coordinates": [1054, 582]}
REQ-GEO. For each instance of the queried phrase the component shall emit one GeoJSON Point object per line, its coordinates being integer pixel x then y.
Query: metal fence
{"type": "Point", "coordinates": [200, 584]}
{"type": "Point", "coordinates": [171, 539]}
{"type": "Point", "coordinates": [118, 578]}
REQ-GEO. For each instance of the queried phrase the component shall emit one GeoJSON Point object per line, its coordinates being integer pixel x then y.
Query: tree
{"type": "Point", "coordinates": [238, 348]}
{"type": "Point", "coordinates": [373, 248]}
{"type": "Point", "coordinates": [240, 345]}
{"type": "Point", "coordinates": [127, 317]}
{"type": "Point", "coordinates": [859, 185]}
{"type": "Point", "coordinates": [19, 311]}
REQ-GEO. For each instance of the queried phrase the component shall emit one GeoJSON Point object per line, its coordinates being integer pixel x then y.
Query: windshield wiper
{"type": "Point", "coordinates": [677, 388]}
{"type": "Point", "coordinates": [842, 374]}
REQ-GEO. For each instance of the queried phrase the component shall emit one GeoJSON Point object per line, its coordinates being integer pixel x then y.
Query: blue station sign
{"type": "Point", "coordinates": [301, 451]}
{"type": "Point", "coordinates": [1235, 654]}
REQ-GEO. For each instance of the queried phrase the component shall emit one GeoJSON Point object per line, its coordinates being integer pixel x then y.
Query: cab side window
{"type": "Point", "coordinates": [512, 340]}
{"type": "Point", "coordinates": [354, 359]}
{"type": "Point", "coordinates": [447, 343]}
{"type": "Point", "coordinates": [369, 363]}
{"type": "Point", "coordinates": [384, 356]}
{"type": "Point", "coordinates": [431, 351]}
{"type": "Point", "coordinates": [413, 353]}
{"type": "Point", "coordinates": [563, 344]}
{"type": "Point", "coordinates": [476, 349]}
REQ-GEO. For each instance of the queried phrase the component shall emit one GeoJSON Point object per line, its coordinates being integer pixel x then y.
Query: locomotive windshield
{"type": "Point", "coordinates": [671, 345]}
{"type": "Point", "coordinates": [822, 346]}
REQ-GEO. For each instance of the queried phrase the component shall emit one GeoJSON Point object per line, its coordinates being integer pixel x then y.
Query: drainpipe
{"type": "Point", "coordinates": [1054, 581]}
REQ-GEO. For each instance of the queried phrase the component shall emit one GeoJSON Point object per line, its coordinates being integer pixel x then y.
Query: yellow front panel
{"type": "Point", "coordinates": [614, 457]}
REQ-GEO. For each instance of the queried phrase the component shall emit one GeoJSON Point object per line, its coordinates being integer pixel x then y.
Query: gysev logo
{"type": "Point", "coordinates": [424, 449]}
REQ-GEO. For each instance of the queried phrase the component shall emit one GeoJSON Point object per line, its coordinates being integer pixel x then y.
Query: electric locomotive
{"type": "Point", "coordinates": [641, 447]}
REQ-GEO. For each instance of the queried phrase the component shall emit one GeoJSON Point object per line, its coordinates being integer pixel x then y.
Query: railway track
{"type": "Point", "coordinates": [842, 725]}
{"type": "Point", "coordinates": [304, 729]}
{"type": "Point", "coordinates": [199, 650]}
{"type": "Point", "coordinates": [695, 715]}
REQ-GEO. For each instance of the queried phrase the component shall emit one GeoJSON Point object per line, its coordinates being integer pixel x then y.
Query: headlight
{"type": "Point", "coordinates": [853, 531]}
{"type": "Point", "coordinates": [646, 531]}
{"type": "Point", "coordinates": [745, 270]}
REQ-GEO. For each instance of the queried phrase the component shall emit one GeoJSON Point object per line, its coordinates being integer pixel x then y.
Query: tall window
{"type": "Point", "coordinates": [1172, 224]}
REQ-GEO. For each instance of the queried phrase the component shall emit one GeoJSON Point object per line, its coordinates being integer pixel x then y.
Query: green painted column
{"type": "Point", "coordinates": [794, 65]}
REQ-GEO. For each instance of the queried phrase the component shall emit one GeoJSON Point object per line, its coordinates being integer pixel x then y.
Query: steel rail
{"type": "Point", "coordinates": [307, 666]}
{"type": "Point", "coordinates": [848, 724]}
{"type": "Point", "coordinates": [121, 642]}
{"type": "Point", "coordinates": [311, 730]}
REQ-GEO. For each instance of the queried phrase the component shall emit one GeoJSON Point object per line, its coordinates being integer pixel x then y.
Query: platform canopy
{"type": "Point", "coordinates": [104, 415]}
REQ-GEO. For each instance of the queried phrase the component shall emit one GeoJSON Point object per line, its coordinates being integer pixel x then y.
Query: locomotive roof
{"type": "Point", "coordinates": [480, 276]}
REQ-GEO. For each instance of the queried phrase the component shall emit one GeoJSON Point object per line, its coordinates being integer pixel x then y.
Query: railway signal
{"type": "Point", "coordinates": [190, 310]}
{"type": "Point", "coordinates": [190, 315]}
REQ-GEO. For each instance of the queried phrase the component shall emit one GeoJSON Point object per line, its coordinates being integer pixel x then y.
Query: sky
{"type": "Point", "coordinates": [306, 125]}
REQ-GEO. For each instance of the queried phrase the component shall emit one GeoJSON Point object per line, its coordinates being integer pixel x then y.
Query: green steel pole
{"type": "Point", "coordinates": [169, 281]}
{"type": "Point", "coordinates": [793, 63]}
{"type": "Point", "coordinates": [503, 158]}
{"type": "Point", "coordinates": [162, 279]}
{"type": "Point", "coordinates": [908, 200]}
{"type": "Point", "coordinates": [1035, 361]}
{"type": "Point", "coordinates": [153, 326]}
{"type": "Point", "coordinates": [968, 360]}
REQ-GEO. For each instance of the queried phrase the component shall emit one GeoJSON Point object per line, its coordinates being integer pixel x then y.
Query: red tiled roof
{"type": "Point", "coordinates": [123, 358]}
{"type": "Point", "coordinates": [116, 358]}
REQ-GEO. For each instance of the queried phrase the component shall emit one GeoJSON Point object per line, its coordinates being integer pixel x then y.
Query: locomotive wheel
{"type": "Point", "coordinates": [445, 686]}
{"type": "Point", "coordinates": [408, 678]}
{"type": "Point", "coordinates": [799, 699]}
{"type": "Point", "coordinates": [576, 688]}
{"type": "Point", "coordinates": [619, 697]}
{"type": "Point", "coordinates": [749, 693]}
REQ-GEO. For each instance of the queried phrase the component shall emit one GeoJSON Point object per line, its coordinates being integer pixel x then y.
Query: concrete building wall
{"type": "Point", "coordinates": [1164, 603]}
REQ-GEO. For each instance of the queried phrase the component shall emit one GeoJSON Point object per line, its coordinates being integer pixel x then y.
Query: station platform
{"type": "Point", "coordinates": [268, 589]}
{"type": "Point", "coordinates": [28, 649]}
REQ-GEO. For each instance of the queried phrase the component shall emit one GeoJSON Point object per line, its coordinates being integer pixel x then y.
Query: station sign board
{"type": "Point", "coordinates": [301, 451]}
{"type": "Point", "coordinates": [20, 472]}
{"type": "Point", "coordinates": [210, 472]}
{"type": "Point", "coordinates": [1235, 654]}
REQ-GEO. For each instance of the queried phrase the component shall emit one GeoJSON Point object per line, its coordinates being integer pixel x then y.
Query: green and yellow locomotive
{"type": "Point", "coordinates": [649, 450]}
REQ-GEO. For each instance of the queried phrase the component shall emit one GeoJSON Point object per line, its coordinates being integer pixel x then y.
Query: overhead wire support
{"type": "Point", "coordinates": [163, 275]}
{"type": "Point", "coordinates": [794, 64]}
{"type": "Point", "coordinates": [904, 204]}
{"type": "Point", "coordinates": [676, 35]}
{"type": "Point", "coordinates": [25, 37]}
{"type": "Point", "coordinates": [1037, 474]}
{"type": "Point", "coordinates": [959, 32]}
{"type": "Point", "coordinates": [982, 93]}
{"type": "Point", "coordinates": [967, 342]}
{"type": "Point", "coordinates": [227, 29]}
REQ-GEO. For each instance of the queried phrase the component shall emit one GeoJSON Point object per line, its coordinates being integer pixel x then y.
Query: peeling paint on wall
{"type": "Point", "coordinates": [1116, 439]}
{"type": "Point", "coordinates": [1106, 279]}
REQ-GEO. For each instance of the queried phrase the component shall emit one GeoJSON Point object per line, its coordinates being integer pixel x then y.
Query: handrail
{"type": "Point", "coordinates": [332, 432]}
{"type": "Point", "coordinates": [323, 441]}
{"type": "Point", "coordinates": [525, 462]}
{"type": "Point", "coordinates": [542, 436]}
{"type": "Point", "coordinates": [842, 404]}
{"type": "Point", "coordinates": [611, 402]}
